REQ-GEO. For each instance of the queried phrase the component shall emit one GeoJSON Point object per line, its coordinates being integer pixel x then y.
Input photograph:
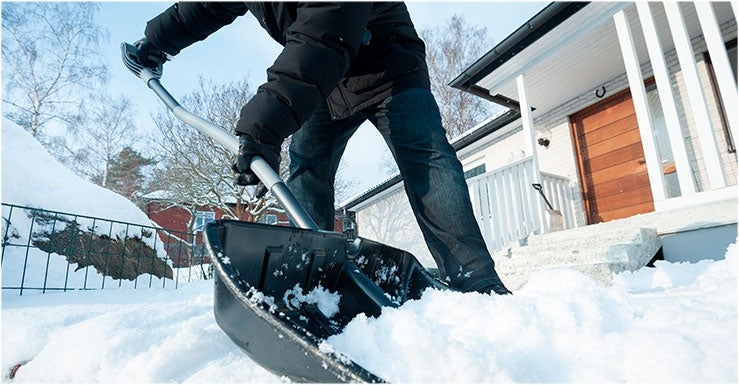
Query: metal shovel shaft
{"type": "Point", "coordinates": [261, 168]}
{"type": "Point", "coordinates": [538, 187]}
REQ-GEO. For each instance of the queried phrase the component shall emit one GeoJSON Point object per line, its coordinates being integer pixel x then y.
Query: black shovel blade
{"type": "Point", "coordinates": [258, 266]}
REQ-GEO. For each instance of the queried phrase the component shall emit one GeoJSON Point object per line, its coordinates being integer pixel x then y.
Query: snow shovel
{"type": "Point", "coordinates": [263, 273]}
{"type": "Point", "coordinates": [554, 217]}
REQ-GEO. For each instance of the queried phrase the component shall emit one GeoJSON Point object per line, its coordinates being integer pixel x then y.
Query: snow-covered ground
{"type": "Point", "coordinates": [31, 177]}
{"type": "Point", "coordinates": [674, 323]}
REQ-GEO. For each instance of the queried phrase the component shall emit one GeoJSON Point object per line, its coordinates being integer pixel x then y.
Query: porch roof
{"type": "Point", "coordinates": [568, 50]}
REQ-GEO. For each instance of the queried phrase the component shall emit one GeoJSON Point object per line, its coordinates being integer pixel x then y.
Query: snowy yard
{"type": "Point", "coordinates": [674, 323]}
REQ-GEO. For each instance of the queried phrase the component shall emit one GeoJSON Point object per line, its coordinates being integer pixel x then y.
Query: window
{"type": "Point", "coordinates": [202, 218]}
{"type": "Point", "coordinates": [269, 219]}
{"type": "Point", "coordinates": [475, 171]}
{"type": "Point", "coordinates": [732, 52]}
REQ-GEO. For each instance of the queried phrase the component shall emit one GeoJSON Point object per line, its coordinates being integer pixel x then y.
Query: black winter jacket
{"type": "Point", "coordinates": [323, 58]}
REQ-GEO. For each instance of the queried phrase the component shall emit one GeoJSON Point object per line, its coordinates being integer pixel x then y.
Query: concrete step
{"type": "Point", "coordinates": [594, 252]}
{"type": "Point", "coordinates": [585, 238]}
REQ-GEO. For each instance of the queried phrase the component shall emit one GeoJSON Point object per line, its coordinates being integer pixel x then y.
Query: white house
{"type": "Point", "coordinates": [616, 108]}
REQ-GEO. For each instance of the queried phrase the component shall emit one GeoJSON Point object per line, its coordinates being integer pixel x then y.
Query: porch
{"type": "Point", "coordinates": [509, 209]}
{"type": "Point", "coordinates": [677, 62]}
{"type": "Point", "coordinates": [674, 66]}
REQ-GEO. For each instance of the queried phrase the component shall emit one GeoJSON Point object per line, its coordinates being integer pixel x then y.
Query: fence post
{"type": "Point", "coordinates": [151, 266]}
{"type": "Point", "coordinates": [69, 251]}
{"type": "Point", "coordinates": [123, 256]}
{"type": "Point", "coordinates": [5, 236]}
{"type": "Point", "coordinates": [87, 257]}
{"type": "Point", "coordinates": [48, 260]}
{"type": "Point", "coordinates": [28, 247]}
{"type": "Point", "coordinates": [138, 258]}
{"type": "Point", "coordinates": [107, 253]}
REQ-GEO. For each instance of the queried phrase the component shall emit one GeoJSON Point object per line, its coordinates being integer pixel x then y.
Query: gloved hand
{"type": "Point", "coordinates": [149, 55]}
{"type": "Point", "coordinates": [248, 148]}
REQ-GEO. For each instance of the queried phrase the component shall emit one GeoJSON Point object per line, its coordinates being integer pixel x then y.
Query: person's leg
{"type": "Point", "coordinates": [315, 152]}
{"type": "Point", "coordinates": [434, 182]}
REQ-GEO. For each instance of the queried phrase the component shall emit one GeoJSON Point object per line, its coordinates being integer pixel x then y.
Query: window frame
{"type": "Point", "coordinates": [729, 45]}
{"type": "Point", "coordinates": [202, 218]}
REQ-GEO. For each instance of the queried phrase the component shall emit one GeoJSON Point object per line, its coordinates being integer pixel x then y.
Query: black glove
{"type": "Point", "coordinates": [248, 148]}
{"type": "Point", "coordinates": [149, 55]}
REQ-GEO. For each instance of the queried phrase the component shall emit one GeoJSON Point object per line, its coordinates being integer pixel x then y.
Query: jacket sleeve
{"type": "Point", "coordinates": [185, 23]}
{"type": "Point", "coordinates": [319, 47]}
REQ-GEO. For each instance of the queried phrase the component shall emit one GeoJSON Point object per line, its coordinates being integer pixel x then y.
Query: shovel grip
{"type": "Point", "coordinates": [259, 166]}
{"type": "Point", "coordinates": [538, 187]}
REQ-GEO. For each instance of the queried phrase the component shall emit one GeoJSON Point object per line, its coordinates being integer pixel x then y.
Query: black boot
{"type": "Point", "coordinates": [497, 288]}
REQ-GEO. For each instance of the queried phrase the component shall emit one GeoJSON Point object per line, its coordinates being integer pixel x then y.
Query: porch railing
{"type": "Point", "coordinates": [55, 251]}
{"type": "Point", "coordinates": [507, 207]}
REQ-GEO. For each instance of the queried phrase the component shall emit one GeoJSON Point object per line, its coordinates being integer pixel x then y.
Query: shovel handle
{"type": "Point", "coordinates": [259, 166]}
{"type": "Point", "coordinates": [538, 187]}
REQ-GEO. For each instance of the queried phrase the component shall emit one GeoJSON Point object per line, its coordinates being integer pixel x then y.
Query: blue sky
{"type": "Point", "coordinates": [243, 49]}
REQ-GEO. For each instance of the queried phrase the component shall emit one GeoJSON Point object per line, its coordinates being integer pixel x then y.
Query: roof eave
{"type": "Point", "coordinates": [539, 25]}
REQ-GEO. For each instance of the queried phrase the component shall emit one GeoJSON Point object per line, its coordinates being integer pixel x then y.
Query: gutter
{"type": "Point", "coordinates": [539, 25]}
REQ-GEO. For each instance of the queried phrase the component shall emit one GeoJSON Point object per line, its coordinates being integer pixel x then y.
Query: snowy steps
{"type": "Point", "coordinates": [603, 249]}
{"type": "Point", "coordinates": [597, 251]}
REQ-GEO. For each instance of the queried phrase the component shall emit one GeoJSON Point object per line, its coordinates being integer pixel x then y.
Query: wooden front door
{"type": "Point", "coordinates": [613, 171]}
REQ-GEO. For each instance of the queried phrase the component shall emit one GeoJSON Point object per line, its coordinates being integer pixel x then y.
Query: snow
{"type": "Point", "coordinates": [33, 178]}
{"type": "Point", "coordinates": [326, 301]}
{"type": "Point", "coordinates": [673, 323]}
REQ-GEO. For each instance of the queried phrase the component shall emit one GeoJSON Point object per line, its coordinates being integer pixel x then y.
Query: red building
{"type": "Point", "coordinates": [185, 247]}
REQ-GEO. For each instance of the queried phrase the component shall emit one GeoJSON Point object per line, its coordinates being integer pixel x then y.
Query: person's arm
{"type": "Point", "coordinates": [319, 47]}
{"type": "Point", "coordinates": [185, 23]}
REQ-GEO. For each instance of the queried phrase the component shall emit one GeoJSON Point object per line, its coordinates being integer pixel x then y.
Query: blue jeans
{"type": "Point", "coordinates": [434, 181]}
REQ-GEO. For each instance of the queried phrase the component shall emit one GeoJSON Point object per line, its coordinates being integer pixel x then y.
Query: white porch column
{"type": "Point", "coordinates": [667, 99]}
{"type": "Point", "coordinates": [529, 135]}
{"type": "Point", "coordinates": [639, 97]}
{"type": "Point", "coordinates": [720, 60]}
{"type": "Point", "coordinates": [696, 95]}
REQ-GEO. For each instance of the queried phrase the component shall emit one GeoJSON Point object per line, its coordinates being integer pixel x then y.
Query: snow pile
{"type": "Point", "coordinates": [674, 323]}
{"type": "Point", "coordinates": [31, 177]}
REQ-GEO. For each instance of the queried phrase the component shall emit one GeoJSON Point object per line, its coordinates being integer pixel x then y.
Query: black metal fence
{"type": "Point", "coordinates": [46, 250]}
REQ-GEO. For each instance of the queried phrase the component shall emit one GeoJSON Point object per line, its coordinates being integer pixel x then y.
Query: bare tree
{"type": "Point", "coordinates": [449, 51]}
{"type": "Point", "coordinates": [343, 186]}
{"type": "Point", "coordinates": [51, 55]}
{"type": "Point", "coordinates": [194, 169]}
{"type": "Point", "coordinates": [102, 130]}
